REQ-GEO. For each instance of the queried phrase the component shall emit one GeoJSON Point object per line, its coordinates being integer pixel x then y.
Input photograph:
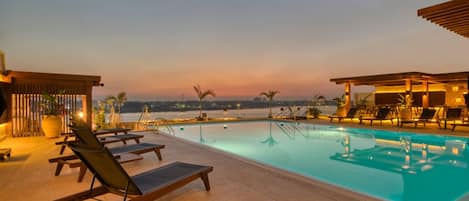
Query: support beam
{"type": "Point", "coordinates": [347, 96]}
{"type": "Point", "coordinates": [426, 95]}
{"type": "Point", "coordinates": [408, 89]}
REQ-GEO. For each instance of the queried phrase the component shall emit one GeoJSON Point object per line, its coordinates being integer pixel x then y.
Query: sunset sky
{"type": "Point", "coordinates": [157, 50]}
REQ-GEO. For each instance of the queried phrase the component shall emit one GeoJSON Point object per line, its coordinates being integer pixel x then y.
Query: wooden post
{"type": "Point", "coordinates": [87, 105]}
{"type": "Point", "coordinates": [408, 88]}
{"type": "Point", "coordinates": [426, 95]}
{"type": "Point", "coordinates": [347, 96]}
{"type": "Point", "coordinates": [2, 63]}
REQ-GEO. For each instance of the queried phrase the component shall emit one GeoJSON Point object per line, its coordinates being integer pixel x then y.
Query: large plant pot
{"type": "Point", "coordinates": [341, 112]}
{"type": "Point", "coordinates": [405, 114]}
{"type": "Point", "coordinates": [51, 125]}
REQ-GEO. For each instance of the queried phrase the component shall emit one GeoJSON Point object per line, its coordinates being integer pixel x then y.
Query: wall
{"type": "Point", "coordinates": [455, 94]}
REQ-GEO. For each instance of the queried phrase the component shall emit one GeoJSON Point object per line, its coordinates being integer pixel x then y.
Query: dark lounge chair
{"type": "Point", "coordinates": [85, 136]}
{"type": "Point", "coordinates": [149, 185]}
{"type": "Point", "coordinates": [350, 115]}
{"type": "Point", "coordinates": [426, 116]}
{"type": "Point", "coordinates": [464, 124]}
{"type": "Point", "coordinates": [451, 114]}
{"type": "Point", "coordinates": [105, 140]}
{"type": "Point", "coordinates": [381, 116]}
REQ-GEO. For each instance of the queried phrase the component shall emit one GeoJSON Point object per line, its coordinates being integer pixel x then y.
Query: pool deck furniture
{"type": "Point", "coordinates": [381, 116]}
{"type": "Point", "coordinates": [114, 131]}
{"type": "Point", "coordinates": [149, 185]}
{"type": "Point", "coordinates": [426, 116]}
{"type": "Point", "coordinates": [350, 115]}
{"type": "Point", "coordinates": [451, 114]}
{"type": "Point", "coordinates": [76, 163]}
{"type": "Point", "coordinates": [5, 153]}
{"type": "Point", "coordinates": [85, 136]}
{"type": "Point", "coordinates": [105, 140]}
{"type": "Point", "coordinates": [123, 152]}
{"type": "Point", "coordinates": [464, 124]}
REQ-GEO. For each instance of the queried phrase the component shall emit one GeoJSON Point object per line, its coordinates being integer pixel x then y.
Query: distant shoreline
{"type": "Point", "coordinates": [186, 106]}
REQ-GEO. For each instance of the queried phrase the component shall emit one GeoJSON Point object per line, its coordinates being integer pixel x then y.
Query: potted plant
{"type": "Point", "coordinates": [52, 110]}
{"type": "Point", "coordinates": [405, 106]}
{"type": "Point", "coordinates": [340, 102]}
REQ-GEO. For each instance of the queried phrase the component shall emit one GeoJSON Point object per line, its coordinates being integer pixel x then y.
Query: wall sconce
{"type": "Point", "coordinates": [455, 88]}
{"type": "Point", "coordinates": [458, 100]}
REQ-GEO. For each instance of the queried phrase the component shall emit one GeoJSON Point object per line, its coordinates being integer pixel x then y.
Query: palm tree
{"type": "Point", "coordinates": [270, 94]}
{"type": "Point", "coordinates": [202, 95]}
{"type": "Point", "coordinates": [270, 141]}
{"type": "Point", "coordinates": [110, 102]}
{"type": "Point", "coordinates": [121, 98]}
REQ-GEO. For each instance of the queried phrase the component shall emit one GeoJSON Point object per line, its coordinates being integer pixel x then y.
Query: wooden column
{"type": "Point", "coordinates": [408, 88]}
{"type": "Point", "coordinates": [87, 105]}
{"type": "Point", "coordinates": [426, 95]}
{"type": "Point", "coordinates": [347, 96]}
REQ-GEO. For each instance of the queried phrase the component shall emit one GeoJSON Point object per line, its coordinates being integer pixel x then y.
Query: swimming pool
{"type": "Point", "coordinates": [383, 164]}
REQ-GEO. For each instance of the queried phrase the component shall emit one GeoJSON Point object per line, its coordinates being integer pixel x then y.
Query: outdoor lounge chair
{"type": "Point", "coordinates": [381, 116]}
{"type": "Point", "coordinates": [105, 140]}
{"type": "Point", "coordinates": [464, 123]}
{"type": "Point", "coordinates": [451, 114]}
{"type": "Point", "coordinates": [148, 185]}
{"type": "Point", "coordinates": [350, 115]}
{"type": "Point", "coordinates": [86, 136]}
{"type": "Point", "coordinates": [426, 116]}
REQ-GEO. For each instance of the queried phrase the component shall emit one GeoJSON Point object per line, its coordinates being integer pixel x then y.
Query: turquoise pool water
{"type": "Point", "coordinates": [384, 164]}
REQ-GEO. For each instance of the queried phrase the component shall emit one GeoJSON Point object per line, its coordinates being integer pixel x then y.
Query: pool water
{"type": "Point", "coordinates": [384, 164]}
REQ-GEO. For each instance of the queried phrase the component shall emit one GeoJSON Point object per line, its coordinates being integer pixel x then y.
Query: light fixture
{"type": "Point", "coordinates": [455, 88]}
{"type": "Point", "coordinates": [81, 115]}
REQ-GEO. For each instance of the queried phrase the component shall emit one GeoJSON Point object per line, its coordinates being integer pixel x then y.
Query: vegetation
{"type": "Point", "coordinates": [50, 105]}
{"type": "Point", "coordinates": [201, 94]}
{"type": "Point", "coordinates": [316, 101]}
{"type": "Point", "coordinates": [405, 101]}
{"type": "Point", "coordinates": [340, 101]}
{"type": "Point", "coordinates": [99, 115]}
{"type": "Point", "coordinates": [270, 94]}
{"type": "Point", "coordinates": [361, 104]}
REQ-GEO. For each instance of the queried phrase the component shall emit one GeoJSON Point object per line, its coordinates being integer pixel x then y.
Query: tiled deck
{"type": "Point", "coordinates": [28, 175]}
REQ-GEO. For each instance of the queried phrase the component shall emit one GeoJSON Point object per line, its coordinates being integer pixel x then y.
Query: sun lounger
{"type": "Point", "coordinates": [381, 116]}
{"type": "Point", "coordinates": [464, 124]}
{"type": "Point", "coordinates": [426, 116]}
{"type": "Point", "coordinates": [149, 185]}
{"type": "Point", "coordinates": [74, 162]}
{"type": "Point", "coordinates": [85, 136]}
{"type": "Point", "coordinates": [451, 114]}
{"type": "Point", "coordinates": [105, 140]}
{"type": "Point", "coordinates": [350, 115]}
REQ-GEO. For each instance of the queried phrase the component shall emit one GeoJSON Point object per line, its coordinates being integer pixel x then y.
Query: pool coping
{"type": "Point", "coordinates": [281, 172]}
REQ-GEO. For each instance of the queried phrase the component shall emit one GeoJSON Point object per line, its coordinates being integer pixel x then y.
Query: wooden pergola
{"type": "Point", "coordinates": [23, 93]}
{"type": "Point", "coordinates": [452, 15]}
{"type": "Point", "coordinates": [407, 80]}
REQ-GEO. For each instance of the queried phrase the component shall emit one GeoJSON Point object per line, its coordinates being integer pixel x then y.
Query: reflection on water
{"type": "Point", "coordinates": [430, 170]}
{"type": "Point", "coordinates": [270, 141]}
{"type": "Point", "coordinates": [385, 164]}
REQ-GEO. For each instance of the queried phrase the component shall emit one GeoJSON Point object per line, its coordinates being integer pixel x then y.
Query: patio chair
{"type": "Point", "coordinates": [381, 116]}
{"type": "Point", "coordinates": [426, 116]}
{"type": "Point", "coordinates": [350, 115]}
{"type": "Point", "coordinates": [149, 185]}
{"type": "Point", "coordinates": [451, 114]}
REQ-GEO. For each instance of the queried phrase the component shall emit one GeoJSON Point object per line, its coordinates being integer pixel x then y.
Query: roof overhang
{"type": "Point", "coordinates": [393, 79]}
{"type": "Point", "coordinates": [452, 15]}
